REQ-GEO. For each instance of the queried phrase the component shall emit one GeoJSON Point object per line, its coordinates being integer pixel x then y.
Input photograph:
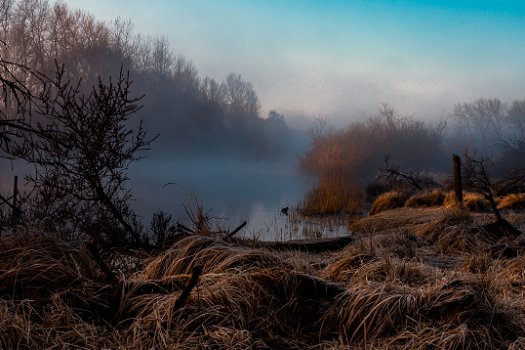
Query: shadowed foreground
{"type": "Point", "coordinates": [411, 279]}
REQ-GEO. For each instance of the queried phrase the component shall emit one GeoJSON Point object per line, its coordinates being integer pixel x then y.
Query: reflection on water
{"type": "Point", "coordinates": [270, 225]}
{"type": "Point", "coordinates": [231, 192]}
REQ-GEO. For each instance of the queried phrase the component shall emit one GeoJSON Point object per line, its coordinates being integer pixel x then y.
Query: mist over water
{"type": "Point", "coordinates": [230, 190]}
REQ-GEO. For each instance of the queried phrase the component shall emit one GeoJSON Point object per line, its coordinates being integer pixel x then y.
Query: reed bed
{"type": "Point", "coordinates": [429, 282]}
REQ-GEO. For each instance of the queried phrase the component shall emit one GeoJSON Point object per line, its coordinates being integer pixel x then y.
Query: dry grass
{"type": "Point", "coordinates": [333, 195]}
{"type": "Point", "coordinates": [213, 256]}
{"type": "Point", "coordinates": [471, 201]}
{"type": "Point", "coordinates": [432, 198]}
{"type": "Point", "coordinates": [387, 201]}
{"type": "Point", "coordinates": [426, 280]}
{"type": "Point", "coordinates": [514, 201]}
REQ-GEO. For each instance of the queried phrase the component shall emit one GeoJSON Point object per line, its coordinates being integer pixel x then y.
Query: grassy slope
{"type": "Point", "coordinates": [413, 279]}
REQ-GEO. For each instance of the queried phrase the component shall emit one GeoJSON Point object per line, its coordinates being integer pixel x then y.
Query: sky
{"type": "Point", "coordinates": [341, 59]}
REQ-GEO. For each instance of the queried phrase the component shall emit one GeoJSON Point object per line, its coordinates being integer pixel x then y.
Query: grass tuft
{"type": "Point", "coordinates": [513, 201]}
{"type": "Point", "coordinates": [432, 198]}
{"type": "Point", "coordinates": [387, 201]}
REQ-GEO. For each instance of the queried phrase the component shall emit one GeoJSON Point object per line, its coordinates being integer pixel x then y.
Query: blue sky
{"type": "Point", "coordinates": [341, 59]}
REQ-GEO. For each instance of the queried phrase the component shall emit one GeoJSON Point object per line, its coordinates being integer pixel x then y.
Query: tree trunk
{"type": "Point", "coordinates": [458, 183]}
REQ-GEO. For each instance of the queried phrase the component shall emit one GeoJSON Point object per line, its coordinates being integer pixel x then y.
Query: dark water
{"type": "Point", "coordinates": [231, 191]}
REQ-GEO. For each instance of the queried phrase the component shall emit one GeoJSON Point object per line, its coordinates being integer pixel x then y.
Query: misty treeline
{"type": "Point", "coordinates": [354, 164]}
{"type": "Point", "coordinates": [190, 113]}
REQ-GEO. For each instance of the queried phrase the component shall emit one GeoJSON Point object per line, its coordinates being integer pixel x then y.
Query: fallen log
{"type": "Point", "coordinates": [315, 288]}
{"type": "Point", "coordinates": [308, 245]}
{"type": "Point", "coordinates": [231, 234]}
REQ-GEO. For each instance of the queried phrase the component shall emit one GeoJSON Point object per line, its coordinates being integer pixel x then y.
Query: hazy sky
{"type": "Point", "coordinates": [341, 59]}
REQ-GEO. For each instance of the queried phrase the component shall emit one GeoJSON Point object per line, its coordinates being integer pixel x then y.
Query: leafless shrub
{"type": "Point", "coordinates": [82, 146]}
{"type": "Point", "coordinates": [160, 227]}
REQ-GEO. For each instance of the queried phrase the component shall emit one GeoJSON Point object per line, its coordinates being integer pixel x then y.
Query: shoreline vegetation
{"type": "Point", "coordinates": [406, 278]}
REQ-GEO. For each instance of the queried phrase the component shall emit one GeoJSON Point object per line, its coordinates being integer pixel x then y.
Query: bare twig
{"type": "Point", "coordinates": [197, 271]}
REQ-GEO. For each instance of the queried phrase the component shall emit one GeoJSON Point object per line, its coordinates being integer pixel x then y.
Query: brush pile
{"type": "Point", "coordinates": [426, 284]}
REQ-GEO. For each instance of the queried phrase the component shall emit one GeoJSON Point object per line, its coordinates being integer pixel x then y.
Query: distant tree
{"type": "Point", "coordinates": [516, 120]}
{"type": "Point", "coordinates": [212, 92]}
{"type": "Point", "coordinates": [483, 121]}
{"type": "Point", "coordinates": [162, 59]}
{"type": "Point", "coordinates": [121, 39]}
{"type": "Point", "coordinates": [276, 135]}
{"type": "Point", "coordinates": [240, 96]}
{"type": "Point", "coordinates": [318, 129]}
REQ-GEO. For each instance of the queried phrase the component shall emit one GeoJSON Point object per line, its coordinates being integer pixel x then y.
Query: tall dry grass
{"type": "Point", "coordinates": [334, 194]}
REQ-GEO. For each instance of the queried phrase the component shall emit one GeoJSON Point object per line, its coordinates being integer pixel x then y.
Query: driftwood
{"type": "Point", "coordinates": [197, 271]}
{"type": "Point", "coordinates": [312, 287]}
{"type": "Point", "coordinates": [231, 234]}
{"type": "Point", "coordinates": [308, 245]}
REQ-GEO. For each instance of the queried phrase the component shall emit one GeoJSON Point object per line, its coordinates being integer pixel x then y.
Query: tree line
{"type": "Point", "coordinates": [192, 114]}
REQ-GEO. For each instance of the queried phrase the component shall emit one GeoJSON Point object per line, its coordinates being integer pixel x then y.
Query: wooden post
{"type": "Point", "coordinates": [458, 184]}
{"type": "Point", "coordinates": [16, 210]}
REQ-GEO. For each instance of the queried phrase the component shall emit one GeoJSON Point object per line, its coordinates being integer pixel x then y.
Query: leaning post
{"type": "Point", "coordinates": [458, 184]}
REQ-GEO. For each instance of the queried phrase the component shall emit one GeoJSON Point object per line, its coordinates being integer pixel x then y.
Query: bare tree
{"type": "Point", "coordinates": [6, 18]}
{"type": "Point", "coordinates": [516, 119]}
{"type": "Point", "coordinates": [396, 178]}
{"type": "Point", "coordinates": [162, 58]}
{"type": "Point", "coordinates": [477, 176]}
{"type": "Point", "coordinates": [82, 146]}
{"type": "Point", "coordinates": [318, 130]}
{"type": "Point", "coordinates": [212, 91]}
{"type": "Point", "coordinates": [121, 33]}
{"type": "Point", "coordinates": [483, 121]}
{"type": "Point", "coordinates": [240, 96]}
